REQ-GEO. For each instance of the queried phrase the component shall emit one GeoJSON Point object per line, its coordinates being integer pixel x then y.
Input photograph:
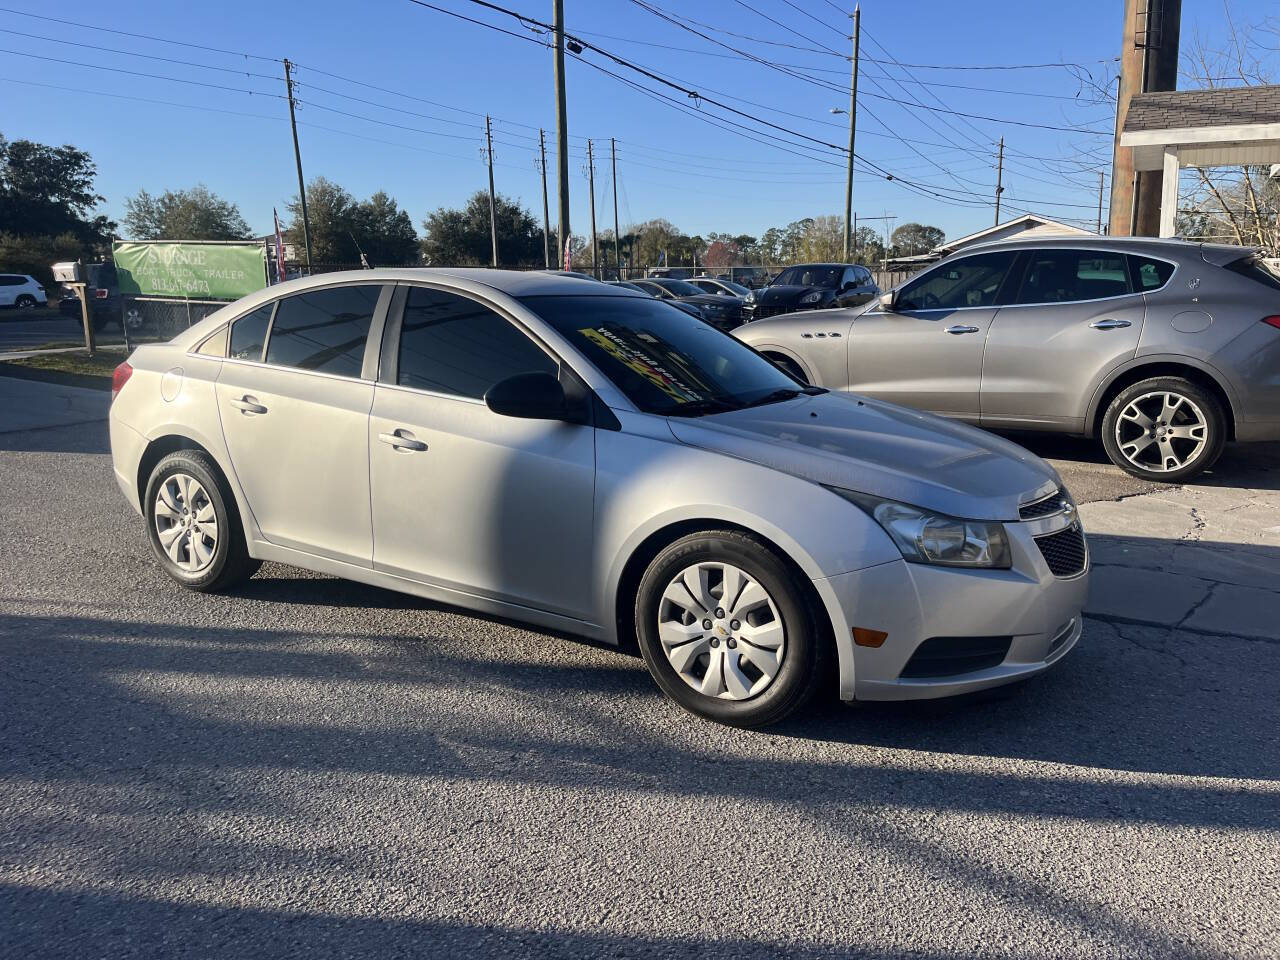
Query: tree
{"type": "Point", "coordinates": [195, 214]}
{"type": "Point", "coordinates": [342, 227]}
{"type": "Point", "coordinates": [37, 254]}
{"type": "Point", "coordinates": [868, 247]}
{"type": "Point", "coordinates": [462, 237]}
{"type": "Point", "coordinates": [913, 238]}
{"type": "Point", "coordinates": [49, 191]}
{"type": "Point", "coordinates": [822, 240]}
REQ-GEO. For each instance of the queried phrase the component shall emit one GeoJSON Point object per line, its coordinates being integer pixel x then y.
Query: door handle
{"type": "Point", "coordinates": [248, 404]}
{"type": "Point", "coordinates": [402, 442]}
{"type": "Point", "coordinates": [960, 328]}
{"type": "Point", "coordinates": [1110, 324]}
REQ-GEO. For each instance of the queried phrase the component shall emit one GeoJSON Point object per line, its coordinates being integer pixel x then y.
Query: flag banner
{"type": "Point", "coordinates": [209, 271]}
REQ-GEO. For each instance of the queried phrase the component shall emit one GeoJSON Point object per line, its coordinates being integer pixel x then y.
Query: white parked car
{"type": "Point", "coordinates": [592, 460]}
{"type": "Point", "coordinates": [21, 290]}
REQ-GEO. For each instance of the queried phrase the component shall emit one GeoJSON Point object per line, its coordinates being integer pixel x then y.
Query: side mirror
{"type": "Point", "coordinates": [530, 396]}
{"type": "Point", "coordinates": [886, 301]}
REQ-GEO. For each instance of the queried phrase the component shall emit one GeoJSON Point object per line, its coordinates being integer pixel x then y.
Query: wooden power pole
{"type": "Point", "coordinates": [562, 132]}
{"type": "Point", "coordinates": [591, 186]}
{"type": "Point", "coordinates": [999, 180]}
{"type": "Point", "coordinates": [297, 157]}
{"type": "Point", "coordinates": [493, 211]}
{"type": "Point", "coordinates": [853, 124]}
{"type": "Point", "coordinates": [613, 163]}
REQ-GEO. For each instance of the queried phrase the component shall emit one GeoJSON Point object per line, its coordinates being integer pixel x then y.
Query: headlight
{"type": "Point", "coordinates": [812, 297]}
{"type": "Point", "coordinates": [927, 537]}
{"type": "Point", "coordinates": [751, 296]}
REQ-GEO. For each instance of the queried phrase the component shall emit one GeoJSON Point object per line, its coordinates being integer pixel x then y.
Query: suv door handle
{"type": "Point", "coordinates": [1110, 324]}
{"type": "Point", "coordinates": [960, 328]}
{"type": "Point", "coordinates": [248, 404]}
{"type": "Point", "coordinates": [400, 439]}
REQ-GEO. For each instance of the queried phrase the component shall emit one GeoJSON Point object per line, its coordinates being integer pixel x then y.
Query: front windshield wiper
{"type": "Point", "coordinates": [699, 408]}
{"type": "Point", "coordinates": [785, 393]}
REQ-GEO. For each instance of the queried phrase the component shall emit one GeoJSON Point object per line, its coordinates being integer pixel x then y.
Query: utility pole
{"type": "Point", "coordinates": [1148, 62]}
{"type": "Point", "coordinates": [546, 214]}
{"type": "Point", "coordinates": [591, 185]}
{"type": "Point", "coordinates": [562, 131]}
{"type": "Point", "coordinates": [613, 161]}
{"type": "Point", "coordinates": [1101, 178]}
{"type": "Point", "coordinates": [297, 156]}
{"type": "Point", "coordinates": [999, 180]}
{"type": "Point", "coordinates": [493, 213]}
{"type": "Point", "coordinates": [853, 123]}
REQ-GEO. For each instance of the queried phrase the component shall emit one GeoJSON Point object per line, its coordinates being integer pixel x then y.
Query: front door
{"type": "Point", "coordinates": [1076, 317]}
{"type": "Point", "coordinates": [296, 421]}
{"type": "Point", "coordinates": [927, 351]}
{"type": "Point", "coordinates": [464, 498]}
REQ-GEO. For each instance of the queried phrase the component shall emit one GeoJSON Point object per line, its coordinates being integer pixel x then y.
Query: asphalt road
{"type": "Point", "coordinates": [312, 768]}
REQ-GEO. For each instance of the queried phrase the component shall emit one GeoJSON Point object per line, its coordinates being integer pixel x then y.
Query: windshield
{"type": "Point", "coordinates": [737, 288]}
{"type": "Point", "coordinates": [681, 288]}
{"type": "Point", "coordinates": [665, 361]}
{"type": "Point", "coordinates": [812, 276]}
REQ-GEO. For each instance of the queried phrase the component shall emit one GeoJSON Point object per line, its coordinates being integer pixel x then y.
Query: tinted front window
{"type": "Point", "coordinates": [324, 330]}
{"type": "Point", "coordinates": [1063, 276]}
{"type": "Point", "coordinates": [664, 360]}
{"type": "Point", "coordinates": [679, 288]}
{"type": "Point", "coordinates": [971, 282]}
{"type": "Point", "coordinates": [810, 277]}
{"type": "Point", "coordinates": [449, 344]}
{"type": "Point", "coordinates": [250, 333]}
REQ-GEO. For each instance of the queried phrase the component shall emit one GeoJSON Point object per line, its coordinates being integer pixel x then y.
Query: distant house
{"type": "Point", "coordinates": [1028, 225]}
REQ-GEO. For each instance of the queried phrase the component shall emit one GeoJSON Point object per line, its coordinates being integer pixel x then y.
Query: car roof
{"type": "Point", "coordinates": [514, 283]}
{"type": "Point", "coordinates": [1166, 245]}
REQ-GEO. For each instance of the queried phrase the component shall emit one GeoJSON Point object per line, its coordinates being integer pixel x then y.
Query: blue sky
{"type": "Point", "coordinates": [419, 136]}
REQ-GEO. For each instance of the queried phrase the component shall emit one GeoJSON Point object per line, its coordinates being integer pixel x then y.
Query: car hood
{"type": "Point", "coordinates": [880, 449]}
{"type": "Point", "coordinates": [785, 294]}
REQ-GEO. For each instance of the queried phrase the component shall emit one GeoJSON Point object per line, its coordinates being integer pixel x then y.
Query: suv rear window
{"type": "Point", "coordinates": [1255, 268]}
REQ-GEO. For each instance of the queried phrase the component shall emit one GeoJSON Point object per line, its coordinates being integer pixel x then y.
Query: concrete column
{"type": "Point", "coordinates": [1169, 192]}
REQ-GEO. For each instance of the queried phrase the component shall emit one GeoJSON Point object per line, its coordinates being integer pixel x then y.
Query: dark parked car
{"type": "Point", "coordinates": [753, 278]}
{"type": "Point", "coordinates": [675, 273]}
{"type": "Point", "coordinates": [813, 286]}
{"type": "Point", "coordinates": [721, 287]}
{"type": "Point", "coordinates": [720, 311]}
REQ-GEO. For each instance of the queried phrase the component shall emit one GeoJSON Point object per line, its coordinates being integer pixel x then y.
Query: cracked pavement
{"type": "Point", "coordinates": [308, 767]}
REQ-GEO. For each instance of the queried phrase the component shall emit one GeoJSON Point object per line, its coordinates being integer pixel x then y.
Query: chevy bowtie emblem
{"type": "Point", "coordinates": [721, 630]}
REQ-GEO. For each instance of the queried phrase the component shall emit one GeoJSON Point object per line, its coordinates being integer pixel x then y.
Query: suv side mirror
{"type": "Point", "coordinates": [887, 300]}
{"type": "Point", "coordinates": [534, 396]}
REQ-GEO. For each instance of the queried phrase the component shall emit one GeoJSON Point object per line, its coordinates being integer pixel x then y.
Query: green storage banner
{"type": "Point", "coordinates": [203, 271]}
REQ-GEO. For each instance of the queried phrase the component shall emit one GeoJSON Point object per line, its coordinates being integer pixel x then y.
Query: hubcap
{"type": "Point", "coordinates": [1162, 432]}
{"type": "Point", "coordinates": [186, 523]}
{"type": "Point", "coordinates": [721, 631]}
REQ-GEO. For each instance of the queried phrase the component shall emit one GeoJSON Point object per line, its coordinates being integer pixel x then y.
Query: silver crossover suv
{"type": "Point", "coordinates": [1165, 349]}
{"type": "Point", "coordinates": [591, 460]}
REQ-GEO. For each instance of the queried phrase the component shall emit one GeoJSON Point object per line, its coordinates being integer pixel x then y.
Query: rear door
{"type": "Point", "coordinates": [927, 351]}
{"type": "Point", "coordinates": [296, 417]}
{"type": "Point", "coordinates": [1076, 316]}
{"type": "Point", "coordinates": [463, 497]}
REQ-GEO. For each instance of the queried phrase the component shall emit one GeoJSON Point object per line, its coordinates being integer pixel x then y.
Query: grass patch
{"type": "Point", "coordinates": [78, 363]}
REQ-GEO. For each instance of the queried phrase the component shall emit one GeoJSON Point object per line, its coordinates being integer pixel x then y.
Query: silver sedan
{"type": "Point", "coordinates": [1162, 348]}
{"type": "Point", "coordinates": [590, 460]}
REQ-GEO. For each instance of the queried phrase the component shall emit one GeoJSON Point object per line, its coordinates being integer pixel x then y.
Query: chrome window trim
{"type": "Point", "coordinates": [284, 369]}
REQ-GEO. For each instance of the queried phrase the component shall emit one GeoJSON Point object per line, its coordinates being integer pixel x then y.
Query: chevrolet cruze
{"type": "Point", "coordinates": [591, 460]}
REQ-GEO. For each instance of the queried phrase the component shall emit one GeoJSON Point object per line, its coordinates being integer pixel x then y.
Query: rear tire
{"type": "Point", "coordinates": [25, 302]}
{"type": "Point", "coordinates": [763, 655]}
{"type": "Point", "coordinates": [1164, 429]}
{"type": "Point", "coordinates": [194, 526]}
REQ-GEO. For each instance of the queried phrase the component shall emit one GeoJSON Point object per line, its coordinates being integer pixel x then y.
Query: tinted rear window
{"type": "Point", "coordinates": [249, 334]}
{"type": "Point", "coordinates": [1255, 268]}
{"type": "Point", "coordinates": [324, 330]}
{"type": "Point", "coordinates": [1149, 274]}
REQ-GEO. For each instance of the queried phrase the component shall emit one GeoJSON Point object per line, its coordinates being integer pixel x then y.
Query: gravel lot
{"type": "Point", "coordinates": [314, 768]}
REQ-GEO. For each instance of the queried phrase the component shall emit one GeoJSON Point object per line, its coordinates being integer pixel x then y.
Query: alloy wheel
{"type": "Point", "coordinates": [721, 631]}
{"type": "Point", "coordinates": [186, 522]}
{"type": "Point", "coordinates": [1161, 431]}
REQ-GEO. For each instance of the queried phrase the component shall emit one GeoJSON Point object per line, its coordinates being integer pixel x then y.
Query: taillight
{"type": "Point", "coordinates": [120, 378]}
{"type": "Point", "coordinates": [1273, 320]}
{"type": "Point", "coordinates": [101, 293]}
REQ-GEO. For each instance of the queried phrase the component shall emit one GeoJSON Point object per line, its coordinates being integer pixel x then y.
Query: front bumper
{"type": "Point", "coordinates": [1038, 613]}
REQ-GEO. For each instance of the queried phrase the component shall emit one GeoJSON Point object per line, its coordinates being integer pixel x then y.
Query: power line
{"type": "Point", "coordinates": [134, 53]}
{"type": "Point", "coordinates": [139, 73]}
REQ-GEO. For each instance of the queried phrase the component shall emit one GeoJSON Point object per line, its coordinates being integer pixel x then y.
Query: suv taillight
{"type": "Point", "coordinates": [101, 293]}
{"type": "Point", "coordinates": [1273, 321]}
{"type": "Point", "coordinates": [120, 378]}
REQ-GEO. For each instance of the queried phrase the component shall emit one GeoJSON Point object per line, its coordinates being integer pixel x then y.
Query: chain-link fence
{"type": "Point", "coordinates": [148, 318]}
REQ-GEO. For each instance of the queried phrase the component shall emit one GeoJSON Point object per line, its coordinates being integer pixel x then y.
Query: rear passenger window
{"type": "Point", "coordinates": [249, 334]}
{"type": "Point", "coordinates": [1150, 274]}
{"type": "Point", "coordinates": [449, 344]}
{"type": "Point", "coordinates": [1063, 276]}
{"type": "Point", "coordinates": [324, 330]}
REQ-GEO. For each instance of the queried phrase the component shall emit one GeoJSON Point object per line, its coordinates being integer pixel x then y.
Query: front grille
{"type": "Point", "coordinates": [951, 656]}
{"type": "Point", "coordinates": [1043, 507]}
{"type": "Point", "coordinates": [759, 313]}
{"type": "Point", "coordinates": [1065, 551]}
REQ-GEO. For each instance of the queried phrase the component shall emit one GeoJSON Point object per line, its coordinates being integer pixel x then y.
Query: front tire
{"type": "Point", "coordinates": [25, 302]}
{"type": "Point", "coordinates": [193, 524]}
{"type": "Point", "coordinates": [726, 630]}
{"type": "Point", "coordinates": [1164, 429]}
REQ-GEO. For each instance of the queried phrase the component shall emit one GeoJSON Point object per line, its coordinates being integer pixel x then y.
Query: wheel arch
{"type": "Point", "coordinates": [1147, 367]}
{"type": "Point", "coordinates": [772, 350]}
{"type": "Point", "coordinates": [172, 441]}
